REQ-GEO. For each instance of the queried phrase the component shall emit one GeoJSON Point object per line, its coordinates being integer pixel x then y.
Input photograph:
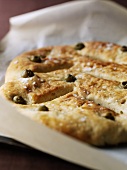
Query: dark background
{"type": "Point", "coordinates": [18, 158]}
{"type": "Point", "coordinates": [9, 8]}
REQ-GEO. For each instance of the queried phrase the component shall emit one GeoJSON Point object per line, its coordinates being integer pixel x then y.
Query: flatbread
{"type": "Point", "coordinates": [79, 90]}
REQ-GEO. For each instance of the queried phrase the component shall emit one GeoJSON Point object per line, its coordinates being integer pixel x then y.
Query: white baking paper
{"type": "Point", "coordinates": [72, 22]}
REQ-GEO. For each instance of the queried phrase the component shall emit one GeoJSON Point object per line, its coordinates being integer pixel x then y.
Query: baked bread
{"type": "Point", "coordinates": [79, 90]}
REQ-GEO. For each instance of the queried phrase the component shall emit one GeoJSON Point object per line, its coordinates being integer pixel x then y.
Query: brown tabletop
{"type": "Point", "coordinates": [18, 158]}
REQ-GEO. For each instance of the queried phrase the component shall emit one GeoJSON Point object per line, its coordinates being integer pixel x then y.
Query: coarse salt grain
{"type": "Point", "coordinates": [15, 62]}
{"type": "Point", "coordinates": [34, 83]}
{"type": "Point", "coordinates": [100, 46]}
{"type": "Point", "coordinates": [90, 104]}
{"type": "Point", "coordinates": [87, 69]}
{"type": "Point", "coordinates": [83, 119]}
{"type": "Point", "coordinates": [109, 46]}
{"type": "Point", "coordinates": [24, 80]}
{"type": "Point", "coordinates": [104, 87]}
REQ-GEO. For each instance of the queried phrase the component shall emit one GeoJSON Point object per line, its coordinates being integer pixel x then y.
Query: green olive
{"type": "Point", "coordinates": [43, 108]}
{"type": "Point", "coordinates": [124, 84]}
{"type": "Point", "coordinates": [19, 100]}
{"type": "Point", "coordinates": [27, 73]}
{"type": "Point", "coordinates": [36, 59]}
{"type": "Point", "coordinates": [43, 56]}
{"type": "Point", "coordinates": [79, 46]}
{"type": "Point", "coordinates": [110, 116]}
{"type": "Point", "coordinates": [70, 78]}
{"type": "Point", "coordinates": [124, 48]}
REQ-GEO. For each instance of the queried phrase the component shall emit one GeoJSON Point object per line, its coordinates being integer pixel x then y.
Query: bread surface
{"type": "Point", "coordinates": [79, 90]}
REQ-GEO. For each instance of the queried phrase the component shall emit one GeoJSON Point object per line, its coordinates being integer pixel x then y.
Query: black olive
{"type": "Point", "coordinates": [124, 84]}
{"type": "Point", "coordinates": [36, 59]}
{"type": "Point", "coordinates": [19, 100]}
{"type": "Point", "coordinates": [79, 46]}
{"type": "Point", "coordinates": [27, 73]}
{"type": "Point", "coordinates": [70, 78]}
{"type": "Point", "coordinates": [124, 48]}
{"type": "Point", "coordinates": [43, 108]}
{"type": "Point", "coordinates": [110, 116]}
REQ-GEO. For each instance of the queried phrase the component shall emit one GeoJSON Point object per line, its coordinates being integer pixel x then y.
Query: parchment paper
{"type": "Point", "coordinates": [68, 23]}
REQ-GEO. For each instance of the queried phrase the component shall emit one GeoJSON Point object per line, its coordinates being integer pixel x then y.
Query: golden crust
{"type": "Point", "coordinates": [105, 51]}
{"type": "Point", "coordinates": [90, 107]}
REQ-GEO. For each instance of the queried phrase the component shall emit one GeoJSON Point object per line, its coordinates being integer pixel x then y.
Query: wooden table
{"type": "Point", "coordinates": [17, 158]}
